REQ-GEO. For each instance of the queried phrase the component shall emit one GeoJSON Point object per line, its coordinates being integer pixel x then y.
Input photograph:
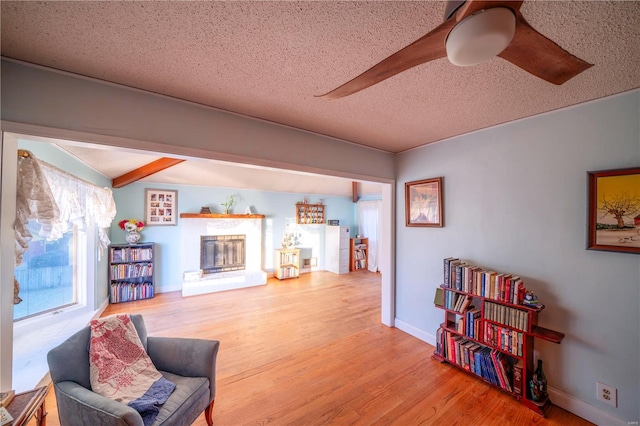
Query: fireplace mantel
{"type": "Point", "coordinates": [220, 216]}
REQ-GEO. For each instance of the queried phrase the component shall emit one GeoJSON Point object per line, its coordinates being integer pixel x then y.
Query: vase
{"type": "Point", "coordinates": [133, 237]}
{"type": "Point", "coordinates": [538, 385]}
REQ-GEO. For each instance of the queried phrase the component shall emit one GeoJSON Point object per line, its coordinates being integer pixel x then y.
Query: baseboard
{"type": "Point", "coordinates": [415, 332]}
{"type": "Point", "coordinates": [563, 400]}
{"type": "Point", "coordinates": [583, 409]}
{"type": "Point", "coordinates": [101, 309]}
{"type": "Point", "coordinates": [169, 288]}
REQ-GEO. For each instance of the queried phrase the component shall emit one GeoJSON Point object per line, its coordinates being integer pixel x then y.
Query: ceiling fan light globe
{"type": "Point", "coordinates": [481, 36]}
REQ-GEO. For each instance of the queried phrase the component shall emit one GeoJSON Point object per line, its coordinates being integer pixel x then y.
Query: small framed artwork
{"type": "Point", "coordinates": [160, 207]}
{"type": "Point", "coordinates": [424, 203]}
{"type": "Point", "coordinates": [614, 210]}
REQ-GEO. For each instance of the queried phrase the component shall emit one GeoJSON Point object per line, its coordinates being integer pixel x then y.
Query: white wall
{"type": "Point", "coordinates": [515, 200]}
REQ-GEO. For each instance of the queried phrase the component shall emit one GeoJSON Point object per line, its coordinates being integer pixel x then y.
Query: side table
{"type": "Point", "coordinates": [24, 405]}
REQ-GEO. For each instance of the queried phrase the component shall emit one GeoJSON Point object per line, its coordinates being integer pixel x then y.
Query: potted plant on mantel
{"type": "Point", "coordinates": [228, 205]}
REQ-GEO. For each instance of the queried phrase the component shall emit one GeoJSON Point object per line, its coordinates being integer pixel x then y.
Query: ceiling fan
{"type": "Point", "coordinates": [474, 31]}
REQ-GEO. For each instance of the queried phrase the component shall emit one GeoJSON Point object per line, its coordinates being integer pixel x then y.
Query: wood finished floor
{"type": "Point", "coordinates": [312, 351]}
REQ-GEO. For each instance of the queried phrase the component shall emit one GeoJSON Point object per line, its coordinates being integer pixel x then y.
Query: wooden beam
{"type": "Point", "coordinates": [144, 171]}
{"type": "Point", "coordinates": [354, 191]}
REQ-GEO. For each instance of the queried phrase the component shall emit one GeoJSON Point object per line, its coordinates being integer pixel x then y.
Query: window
{"type": "Point", "coordinates": [48, 276]}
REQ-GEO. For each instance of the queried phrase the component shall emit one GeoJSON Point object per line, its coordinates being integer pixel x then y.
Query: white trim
{"type": "Point", "coordinates": [33, 130]}
{"type": "Point", "coordinates": [416, 332]}
{"type": "Point", "coordinates": [8, 182]}
{"type": "Point", "coordinates": [583, 409]}
{"type": "Point", "coordinates": [168, 289]}
{"type": "Point", "coordinates": [387, 255]}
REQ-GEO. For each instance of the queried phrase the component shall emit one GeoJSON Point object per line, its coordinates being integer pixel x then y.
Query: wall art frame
{"type": "Point", "coordinates": [424, 203]}
{"type": "Point", "coordinates": [160, 207]}
{"type": "Point", "coordinates": [614, 210]}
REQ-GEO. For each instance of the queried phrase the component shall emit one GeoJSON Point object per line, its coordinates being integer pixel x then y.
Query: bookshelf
{"type": "Point", "coordinates": [358, 254]}
{"type": "Point", "coordinates": [131, 272]}
{"type": "Point", "coordinates": [310, 214]}
{"type": "Point", "coordinates": [287, 263]}
{"type": "Point", "coordinates": [487, 331]}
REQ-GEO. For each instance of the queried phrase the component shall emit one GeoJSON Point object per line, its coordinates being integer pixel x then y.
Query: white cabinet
{"type": "Point", "coordinates": [336, 249]}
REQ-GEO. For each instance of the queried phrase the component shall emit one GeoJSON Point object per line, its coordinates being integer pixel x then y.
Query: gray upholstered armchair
{"type": "Point", "coordinates": [189, 363]}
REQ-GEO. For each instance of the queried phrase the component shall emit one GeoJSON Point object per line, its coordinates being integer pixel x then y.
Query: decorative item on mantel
{"type": "Point", "coordinates": [132, 226]}
{"type": "Point", "coordinates": [205, 210]}
{"type": "Point", "coordinates": [228, 205]}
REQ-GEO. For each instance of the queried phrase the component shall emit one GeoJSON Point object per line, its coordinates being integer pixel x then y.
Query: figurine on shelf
{"type": "Point", "coordinates": [530, 299]}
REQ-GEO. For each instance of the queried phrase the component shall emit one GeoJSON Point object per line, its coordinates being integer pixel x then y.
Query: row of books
{"type": "Point", "coordinates": [288, 258]}
{"type": "Point", "coordinates": [288, 272]}
{"type": "Point", "coordinates": [494, 366]}
{"type": "Point", "coordinates": [473, 279]}
{"type": "Point", "coordinates": [471, 324]}
{"type": "Point", "coordinates": [456, 301]}
{"type": "Point", "coordinates": [131, 270]}
{"type": "Point", "coordinates": [360, 254]}
{"type": "Point", "coordinates": [504, 338]}
{"type": "Point", "coordinates": [360, 264]}
{"type": "Point", "coordinates": [127, 254]}
{"type": "Point", "coordinates": [512, 317]}
{"type": "Point", "coordinates": [126, 292]}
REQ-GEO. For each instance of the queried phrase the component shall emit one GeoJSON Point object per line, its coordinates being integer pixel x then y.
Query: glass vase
{"type": "Point", "coordinates": [538, 385]}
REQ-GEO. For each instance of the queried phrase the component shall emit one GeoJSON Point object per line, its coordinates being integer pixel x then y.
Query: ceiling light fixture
{"type": "Point", "coordinates": [481, 36]}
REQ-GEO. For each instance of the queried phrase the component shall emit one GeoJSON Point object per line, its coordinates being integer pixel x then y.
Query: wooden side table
{"type": "Point", "coordinates": [24, 405]}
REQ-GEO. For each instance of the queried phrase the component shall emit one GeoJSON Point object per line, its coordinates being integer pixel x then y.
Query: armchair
{"type": "Point", "coordinates": [189, 363]}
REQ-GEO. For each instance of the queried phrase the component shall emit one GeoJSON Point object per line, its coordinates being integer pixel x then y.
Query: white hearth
{"type": "Point", "coordinates": [196, 225]}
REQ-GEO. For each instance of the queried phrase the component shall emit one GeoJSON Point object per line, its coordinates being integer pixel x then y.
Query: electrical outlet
{"type": "Point", "coordinates": [607, 394]}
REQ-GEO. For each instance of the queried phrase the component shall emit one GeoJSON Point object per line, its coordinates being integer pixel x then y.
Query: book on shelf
{"type": "Point", "coordinates": [466, 304]}
{"type": "Point", "coordinates": [447, 271]}
{"type": "Point", "coordinates": [517, 377]}
{"type": "Point", "coordinates": [438, 299]}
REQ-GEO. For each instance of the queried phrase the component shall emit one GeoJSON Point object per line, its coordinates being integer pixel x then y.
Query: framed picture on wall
{"type": "Point", "coordinates": [424, 203]}
{"type": "Point", "coordinates": [160, 207]}
{"type": "Point", "coordinates": [614, 210]}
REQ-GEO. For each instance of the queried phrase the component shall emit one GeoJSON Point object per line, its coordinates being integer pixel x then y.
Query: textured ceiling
{"type": "Point", "coordinates": [270, 59]}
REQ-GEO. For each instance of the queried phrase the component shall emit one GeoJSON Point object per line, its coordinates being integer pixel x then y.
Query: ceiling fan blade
{"type": "Point", "coordinates": [427, 48]}
{"type": "Point", "coordinates": [540, 56]}
{"type": "Point", "coordinates": [473, 6]}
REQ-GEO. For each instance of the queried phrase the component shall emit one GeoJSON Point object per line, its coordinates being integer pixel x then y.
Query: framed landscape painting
{"type": "Point", "coordinates": [614, 210]}
{"type": "Point", "coordinates": [160, 207]}
{"type": "Point", "coordinates": [423, 203]}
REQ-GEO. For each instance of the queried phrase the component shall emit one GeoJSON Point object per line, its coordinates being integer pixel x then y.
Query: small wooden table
{"type": "Point", "coordinates": [24, 405]}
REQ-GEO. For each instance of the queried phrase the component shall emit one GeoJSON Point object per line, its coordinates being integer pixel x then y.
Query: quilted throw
{"type": "Point", "coordinates": [121, 369]}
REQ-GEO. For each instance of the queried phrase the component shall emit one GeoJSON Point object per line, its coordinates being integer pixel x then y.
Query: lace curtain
{"type": "Point", "coordinates": [58, 201]}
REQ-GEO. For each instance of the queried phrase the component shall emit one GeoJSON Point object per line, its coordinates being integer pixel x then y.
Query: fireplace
{"type": "Point", "coordinates": [222, 253]}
